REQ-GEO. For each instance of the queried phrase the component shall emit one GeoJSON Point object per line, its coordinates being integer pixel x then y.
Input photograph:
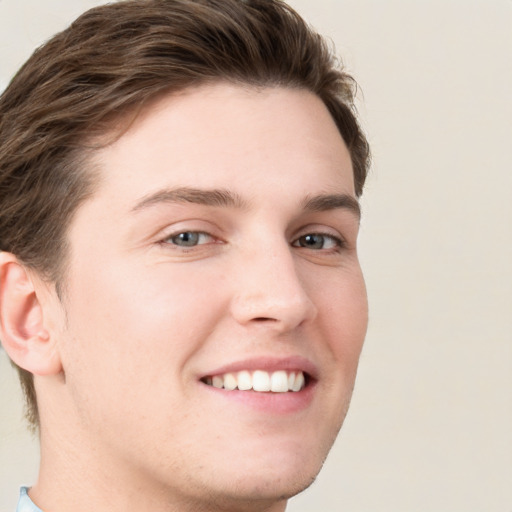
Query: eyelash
{"type": "Point", "coordinates": [337, 243]}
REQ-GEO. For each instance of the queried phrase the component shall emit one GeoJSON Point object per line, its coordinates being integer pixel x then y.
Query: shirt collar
{"type": "Point", "coordinates": [25, 504]}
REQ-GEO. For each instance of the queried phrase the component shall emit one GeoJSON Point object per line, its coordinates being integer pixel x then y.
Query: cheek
{"type": "Point", "coordinates": [145, 301]}
{"type": "Point", "coordinates": [343, 312]}
{"type": "Point", "coordinates": [132, 330]}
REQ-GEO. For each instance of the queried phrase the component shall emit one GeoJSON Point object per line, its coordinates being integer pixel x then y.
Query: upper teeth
{"type": "Point", "coordinates": [259, 380]}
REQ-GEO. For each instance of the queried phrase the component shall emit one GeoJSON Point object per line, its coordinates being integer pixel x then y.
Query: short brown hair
{"type": "Point", "coordinates": [109, 63]}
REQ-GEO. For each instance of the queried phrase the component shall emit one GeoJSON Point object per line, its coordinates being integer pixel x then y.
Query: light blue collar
{"type": "Point", "coordinates": [25, 504]}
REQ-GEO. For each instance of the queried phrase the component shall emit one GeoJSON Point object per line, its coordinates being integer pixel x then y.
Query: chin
{"type": "Point", "coordinates": [261, 493]}
{"type": "Point", "coordinates": [285, 487]}
{"type": "Point", "coordinates": [275, 467]}
{"type": "Point", "coordinates": [279, 476]}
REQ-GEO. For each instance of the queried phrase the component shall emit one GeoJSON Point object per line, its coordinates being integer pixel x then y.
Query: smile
{"type": "Point", "coordinates": [281, 381]}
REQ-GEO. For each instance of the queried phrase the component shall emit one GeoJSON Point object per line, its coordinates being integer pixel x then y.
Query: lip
{"type": "Point", "coordinates": [267, 402]}
{"type": "Point", "coordinates": [268, 364]}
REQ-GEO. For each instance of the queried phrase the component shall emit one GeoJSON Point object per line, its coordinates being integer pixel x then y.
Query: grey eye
{"type": "Point", "coordinates": [317, 241]}
{"type": "Point", "coordinates": [187, 238]}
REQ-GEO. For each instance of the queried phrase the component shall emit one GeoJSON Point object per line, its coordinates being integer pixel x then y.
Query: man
{"type": "Point", "coordinates": [180, 287]}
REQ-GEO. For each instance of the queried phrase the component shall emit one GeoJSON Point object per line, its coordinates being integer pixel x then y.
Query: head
{"type": "Point", "coordinates": [101, 82]}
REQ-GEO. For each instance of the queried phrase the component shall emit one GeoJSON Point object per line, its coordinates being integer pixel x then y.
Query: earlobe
{"type": "Point", "coordinates": [23, 332]}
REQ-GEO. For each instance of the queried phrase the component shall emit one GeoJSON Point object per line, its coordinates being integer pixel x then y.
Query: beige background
{"type": "Point", "coordinates": [430, 429]}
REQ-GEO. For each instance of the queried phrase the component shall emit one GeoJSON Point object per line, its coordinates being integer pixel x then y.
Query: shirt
{"type": "Point", "coordinates": [25, 504]}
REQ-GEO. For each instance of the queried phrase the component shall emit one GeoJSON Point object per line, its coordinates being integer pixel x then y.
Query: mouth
{"type": "Point", "coordinates": [267, 385]}
{"type": "Point", "coordinates": [260, 381]}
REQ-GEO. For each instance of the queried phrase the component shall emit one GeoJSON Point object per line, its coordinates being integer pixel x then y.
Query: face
{"type": "Point", "coordinates": [219, 252]}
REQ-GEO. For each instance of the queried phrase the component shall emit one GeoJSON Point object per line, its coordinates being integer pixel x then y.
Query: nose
{"type": "Point", "coordinates": [269, 290]}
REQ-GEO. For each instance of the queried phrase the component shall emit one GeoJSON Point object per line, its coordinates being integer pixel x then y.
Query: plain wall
{"type": "Point", "coordinates": [430, 427]}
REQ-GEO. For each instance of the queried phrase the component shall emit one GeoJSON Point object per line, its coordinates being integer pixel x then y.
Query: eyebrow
{"type": "Point", "coordinates": [326, 202]}
{"type": "Point", "coordinates": [214, 197]}
{"type": "Point", "coordinates": [226, 198]}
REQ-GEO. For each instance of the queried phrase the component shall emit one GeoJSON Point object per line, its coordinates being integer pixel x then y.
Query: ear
{"type": "Point", "coordinates": [23, 333]}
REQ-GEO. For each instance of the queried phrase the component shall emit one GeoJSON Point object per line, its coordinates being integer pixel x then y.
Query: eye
{"type": "Point", "coordinates": [318, 241]}
{"type": "Point", "coordinates": [189, 239]}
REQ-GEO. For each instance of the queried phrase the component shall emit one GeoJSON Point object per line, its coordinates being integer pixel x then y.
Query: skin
{"type": "Point", "coordinates": [126, 422]}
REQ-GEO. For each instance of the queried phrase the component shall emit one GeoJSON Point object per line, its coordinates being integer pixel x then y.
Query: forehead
{"type": "Point", "coordinates": [227, 136]}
